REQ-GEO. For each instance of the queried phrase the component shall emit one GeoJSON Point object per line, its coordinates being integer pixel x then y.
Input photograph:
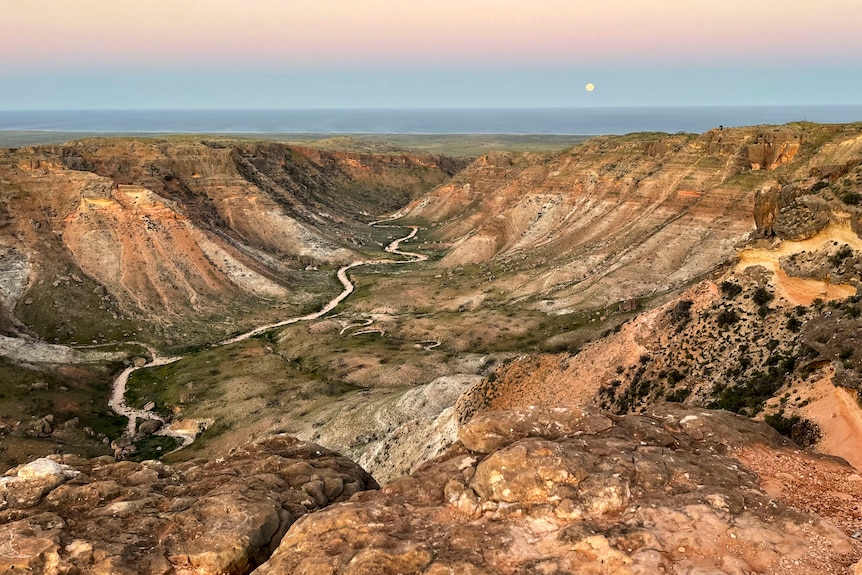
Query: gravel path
{"type": "Point", "coordinates": [117, 401]}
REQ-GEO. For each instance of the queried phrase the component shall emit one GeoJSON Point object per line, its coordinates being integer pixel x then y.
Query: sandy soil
{"type": "Point", "coordinates": [839, 416]}
{"type": "Point", "coordinates": [801, 291]}
{"type": "Point", "coordinates": [811, 483]}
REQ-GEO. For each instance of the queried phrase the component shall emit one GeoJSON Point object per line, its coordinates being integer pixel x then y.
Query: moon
{"type": "Point", "coordinates": [590, 87]}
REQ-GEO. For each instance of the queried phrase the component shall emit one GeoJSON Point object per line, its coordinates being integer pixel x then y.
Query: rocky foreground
{"type": "Point", "coordinates": [71, 515]}
{"type": "Point", "coordinates": [531, 490]}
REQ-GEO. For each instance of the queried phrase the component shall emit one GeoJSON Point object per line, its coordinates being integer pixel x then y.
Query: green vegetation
{"type": "Point", "coordinates": [850, 197]}
{"type": "Point", "coordinates": [730, 289]}
{"type": "Point", "coordinates": [681, 313]}
{"type": "Point", "coordinates": [678, 395]}
{"type": "Point", "coordinates": [726, 318]}
{"type": "Point", "coordinates": [842, 254]}
{"type": "Point", "coordinates": [781, 424]}
{"type": "Point", "coordinates": [762, 296]}
{"type": "Point", "coordinates": [751, 395]}
{"type": "Point", "coordinates": [457, 145]}
{"type": "Point", "coordinates": [801, 431]}
{"type": "Point", "coordinates": [72, 311]}
{"type": "Point", "coordinates": [66, 392]}
{"type": "Point", "coordinates": [153, 447]}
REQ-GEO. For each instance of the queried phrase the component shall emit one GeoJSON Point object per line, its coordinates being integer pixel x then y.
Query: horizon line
{"type": "Point", "coordinates": [434, 108]}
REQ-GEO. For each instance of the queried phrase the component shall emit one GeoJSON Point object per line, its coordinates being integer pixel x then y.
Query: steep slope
{"type": "Point", "coordinates": [763, 338]}
{"type": "Point", "coordinates": [101, 236]}
{"type": "Point", "coordinates": [621, 218]}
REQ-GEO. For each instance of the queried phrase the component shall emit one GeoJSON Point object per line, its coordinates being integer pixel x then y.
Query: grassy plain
{"type": "Point", "coordinates": [457, 145]}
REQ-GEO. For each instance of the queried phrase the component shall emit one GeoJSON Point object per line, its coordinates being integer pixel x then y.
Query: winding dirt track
{"type": "Point", "coordinates": [117, 402]}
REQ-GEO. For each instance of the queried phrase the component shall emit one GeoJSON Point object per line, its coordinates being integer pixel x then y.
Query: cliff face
{"type": "Point", "coordinates": [816, 192]}
{"type": "Point", "coordinates": [773, 149]}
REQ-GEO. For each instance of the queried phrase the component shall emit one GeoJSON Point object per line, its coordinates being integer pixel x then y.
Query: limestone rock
{"type": "Point", "coordinates": [582, 493]}
{"type": "Point", "coordinates": [488, 432]}
{"type": "Point", "coordinates": [25, 485]}
{"type": "Point", "coordinates": [202, 517]}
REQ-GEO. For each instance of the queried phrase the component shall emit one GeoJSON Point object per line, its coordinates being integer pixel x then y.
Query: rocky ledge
{"type": "Point", "coordinates": [66, 515]}
{"type": "Point", "coordinates": [524, 491]}
{"type": "Point", "coordinates": [553, 491]}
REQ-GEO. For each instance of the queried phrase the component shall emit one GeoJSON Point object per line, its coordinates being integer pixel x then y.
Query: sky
{"type": "Point", "coordinates": [264, 54]}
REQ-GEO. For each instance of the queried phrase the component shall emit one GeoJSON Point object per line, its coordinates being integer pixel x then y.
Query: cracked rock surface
{"type": "Point", "coordinates": [544, 490]}
{"type": "Point", "coordinates": [70, 515]}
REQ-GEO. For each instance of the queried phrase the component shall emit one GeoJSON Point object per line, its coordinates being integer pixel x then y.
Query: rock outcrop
{"type": "Point", "coordinates": [773, 149]}
{"type": "Point", "coordinates": [66, 515]}
{"type": "Point", "coordinates": [528, 490]}
{"type": "Point", "coordinates": [568, 491]}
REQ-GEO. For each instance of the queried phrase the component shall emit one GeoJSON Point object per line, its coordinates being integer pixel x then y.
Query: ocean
{"type": "Point", "coordinates": [562, 121]}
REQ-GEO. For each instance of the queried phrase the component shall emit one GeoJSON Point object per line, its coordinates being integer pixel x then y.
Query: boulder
{"type": "Point", "coordinates": [44, 427]}
{"type": "Point", "coordinates": [24, 486]}
{"type": "Point", "coordinates": [149, 426]}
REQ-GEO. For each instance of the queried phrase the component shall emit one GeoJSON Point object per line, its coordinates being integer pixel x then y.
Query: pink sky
{"type": "Point", "coordinates": [337, 34]}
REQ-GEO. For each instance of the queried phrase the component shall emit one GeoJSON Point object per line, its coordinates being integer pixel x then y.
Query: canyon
{"type": "Point", "coordinates": [506, 380]}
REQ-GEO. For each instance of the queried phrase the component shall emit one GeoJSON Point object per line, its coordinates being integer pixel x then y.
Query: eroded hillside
{"type": "Point", "coordinates": [125, 247]}
{"type": "Point", "coordinates": [623, 217]}
{"type": "Point", "coordinates": [576, 291]}
{"type": "Point", "coordinates": [528, 253]}
{"type": "Point", "coordinates": [772, 333]}
{"type": "Point", "coordinates": [105, 238]}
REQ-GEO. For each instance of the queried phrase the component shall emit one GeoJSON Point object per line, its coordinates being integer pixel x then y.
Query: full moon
{"type": "Point", "coordinates": [590, 87]}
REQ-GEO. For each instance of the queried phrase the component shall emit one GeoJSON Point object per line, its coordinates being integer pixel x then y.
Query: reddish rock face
{"type": "Point", "coordinates": [223, 516]}
{"type": "Point", "coordinates": [557, 491]}
{"type": "Point", "coordinates": [773, 149]}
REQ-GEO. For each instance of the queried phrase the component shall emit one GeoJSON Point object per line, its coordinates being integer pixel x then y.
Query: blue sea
{"type": "Point", "coordinates": [560, 121]}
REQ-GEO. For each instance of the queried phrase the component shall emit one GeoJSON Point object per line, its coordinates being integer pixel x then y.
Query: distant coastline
{"type": "Point", "coordinates": [526, 121]}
